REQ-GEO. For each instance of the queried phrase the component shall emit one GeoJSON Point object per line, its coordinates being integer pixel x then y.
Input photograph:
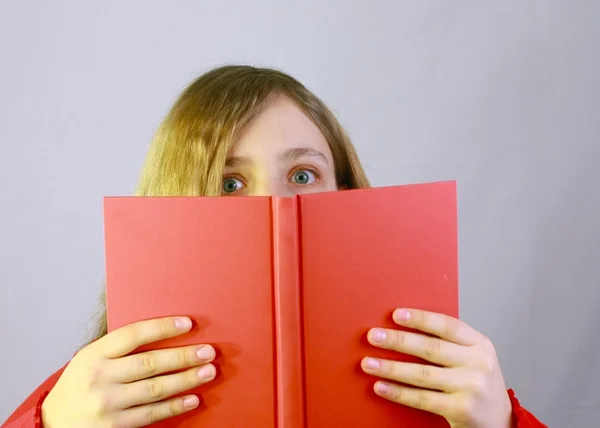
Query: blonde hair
{"type": "Point", "coordinates": [188, 153]}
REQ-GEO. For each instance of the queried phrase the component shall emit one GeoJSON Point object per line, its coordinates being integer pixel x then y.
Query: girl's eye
{"type": "Point", "coordinates": [304, 177]}
{"type": "Point", "coordinates": [231, 185]}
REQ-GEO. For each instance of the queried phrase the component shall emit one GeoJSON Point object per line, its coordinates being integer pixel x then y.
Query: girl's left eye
{"type": "Point", "coordinates": [304, 176]}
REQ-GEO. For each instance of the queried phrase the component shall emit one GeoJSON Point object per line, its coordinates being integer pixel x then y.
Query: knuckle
{"type": "Point", "coordinates": [451, 327]}
{"type": "Point", "coordinates": [107, 423]}
{"type": "Point", "coordinates": [421, 318]}
{"type": "Point", "coordinates": [432, 347]}
{"type": "Point", "coordinates": [190, 379]}
{"type": "Point", "coordinates": [397, 339]}
{"type": "Point", "coordinates": [488, 365]}
{"type": "Point", "coordinates": [163, 329]}
{"type": "Point", "coordinates": [398, 395]}
{"type": "Point", "coordinates": [488, 346]}
{"type": "Point", "coordinates": [153, 415]}
{"type": "Point", "coordinates": [132, 333]}
{"type": "Point", "coordinates": [463, 411]}
{"type": "Point", "coordinates": [422, 400]}
{"type": "Point", "coordinates": [83, 354]}
{"type": "Point", "coordinates": [154, 389]}
{"type": "Point", "coordinates": [387, 368]}
{"type": "Point", "coordinates": [147, 362]}
{"type": "Point", "coordinates": [183, 358]}
{"type": "Point", "coordinates": [423, 375]}
{"type": "Point", "coordinates": [112, 423]}
{"type": "Point", "coordinates": [174, 408]}
{"type": "Point", "coordinates": [99, 403]}
{"type": "Point", "coordinates": [93, 375]}
{"type": "Point", "coordinates": [477, 383]}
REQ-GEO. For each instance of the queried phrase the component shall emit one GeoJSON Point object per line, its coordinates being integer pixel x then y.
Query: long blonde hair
{"type": "Point", "coordinates": [188, 152]}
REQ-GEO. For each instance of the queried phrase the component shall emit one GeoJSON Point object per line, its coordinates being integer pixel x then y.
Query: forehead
{"type": "Point", "coordinates": [281, 126]}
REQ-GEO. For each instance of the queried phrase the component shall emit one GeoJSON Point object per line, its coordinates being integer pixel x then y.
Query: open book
{"type": "Point", "coordinates": [286, 289]}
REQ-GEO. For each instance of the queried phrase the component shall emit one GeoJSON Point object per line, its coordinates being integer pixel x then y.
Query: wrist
{"type": "Point", "coordinates": [509, 411]}
{"type": "Point", "coordinates": [41, 413]}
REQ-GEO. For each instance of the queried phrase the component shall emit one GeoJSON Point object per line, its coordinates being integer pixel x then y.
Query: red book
{"type": "Point", "coordinates": [286, 289]}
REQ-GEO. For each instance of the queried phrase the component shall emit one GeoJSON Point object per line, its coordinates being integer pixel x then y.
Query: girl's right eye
{"type": "Point", "coordinates": [232, 185]}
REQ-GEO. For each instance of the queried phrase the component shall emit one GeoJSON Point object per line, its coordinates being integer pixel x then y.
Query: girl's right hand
{"type": "Point", "coordinates": [104, 387]}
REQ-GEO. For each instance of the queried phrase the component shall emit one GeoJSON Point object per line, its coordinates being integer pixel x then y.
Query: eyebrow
{"type": "Point", "coordinates": [288, 155]}
{"type": "Point", "coordinates": [299, 152]}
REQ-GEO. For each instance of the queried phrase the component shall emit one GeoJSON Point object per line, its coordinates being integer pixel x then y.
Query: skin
{"type": "Point", "coordinates": [102, 384]}
{"type": "Point", "coordinates": [281, 153]}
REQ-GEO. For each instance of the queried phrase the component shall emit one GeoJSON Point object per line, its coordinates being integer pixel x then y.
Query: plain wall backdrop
{"type": "Point", "coordinates": [502, 96]}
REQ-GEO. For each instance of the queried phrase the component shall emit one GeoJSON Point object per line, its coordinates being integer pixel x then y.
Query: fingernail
{"type": "Point", "coordinates": [206, 372]}
{"type": "Point", "coordinates": [183, 322]}
{"type": "Point", "coordinates": [378, 335]}
{"type": "Point", "coordinates": [190, 402]}
{"type": "Point", "coordinates": [382, 388]}
{"type": "Point", "coordinates": [402, 315]}
{"type": "Point", "coordinates": [372, 363]}
{"type": "Point", "coordinates": [205, 352]}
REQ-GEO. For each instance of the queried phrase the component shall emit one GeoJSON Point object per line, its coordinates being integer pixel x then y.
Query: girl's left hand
{"type": "Point", "coordinates": [465, 385]}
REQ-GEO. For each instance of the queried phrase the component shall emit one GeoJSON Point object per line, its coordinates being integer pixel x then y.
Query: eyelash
{"type": "Point", "coordinates": [306, 168]}
{"type": "Point", "coordinates": [294, 171]}
{"type": "Point", "coordinates": [234, 176]}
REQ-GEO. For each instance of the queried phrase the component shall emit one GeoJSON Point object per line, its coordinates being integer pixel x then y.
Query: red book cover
{"type": "Point", "coordinates": [286, 289]}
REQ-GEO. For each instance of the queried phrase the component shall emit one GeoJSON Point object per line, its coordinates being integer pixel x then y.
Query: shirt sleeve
{"type": "Point", "coordinates": [29, 413]}
{"type": "Point", "coordinates": [521, 417]}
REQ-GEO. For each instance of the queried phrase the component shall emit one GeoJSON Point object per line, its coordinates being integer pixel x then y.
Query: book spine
{"type": "Point", "coordinates": [287, 294]}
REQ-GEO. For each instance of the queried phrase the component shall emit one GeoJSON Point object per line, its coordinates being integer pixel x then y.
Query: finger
{"type": "Point", "coordinates": [152, 363]}
{"type": "Point", "coordinates": [429, 348]}
{"type": "Point", "coordinates": [161, 387]}
{"type": "Point", "coordinates": [127, 339]}
{"type": "Point", "coordinates": [440, 325]}
{"type": "Point", "coordinates": [146, 415]}
{"type": "Point", "coordinates": [420, 375]}
{"type": "Point", "coordinates": [429, 401]}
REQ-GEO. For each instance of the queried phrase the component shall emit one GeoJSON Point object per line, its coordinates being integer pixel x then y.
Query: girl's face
{"type": "Point", "coordinates": [280, 153]}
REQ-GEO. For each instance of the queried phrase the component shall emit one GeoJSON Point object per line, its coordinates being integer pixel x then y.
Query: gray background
{"type": "Point", "coordinates": [502, 96]}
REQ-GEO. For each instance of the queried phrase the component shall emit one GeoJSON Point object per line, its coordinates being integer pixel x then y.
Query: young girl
{"type": "Point", "coordinates": [241, 130]}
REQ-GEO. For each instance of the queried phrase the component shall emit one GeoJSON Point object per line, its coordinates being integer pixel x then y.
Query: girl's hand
{"type": "Point", "coordinates": [465, 385]}
{"type": "Point", "coordinates": [103, 387]}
